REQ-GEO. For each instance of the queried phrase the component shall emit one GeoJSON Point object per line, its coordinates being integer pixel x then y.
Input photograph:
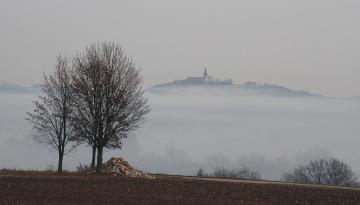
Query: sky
{"type": "Point", "coordinates": [308, 45]}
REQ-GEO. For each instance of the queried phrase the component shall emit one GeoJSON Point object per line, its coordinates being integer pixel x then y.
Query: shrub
{"type": "Point", "coordinates": [323, 171]}
{"type": "Point", "coordinates": [83, 168]}
{"type": "Point", "coordinates": [200, 173]}
{"type": "Point", "coordinates": [241, 173]}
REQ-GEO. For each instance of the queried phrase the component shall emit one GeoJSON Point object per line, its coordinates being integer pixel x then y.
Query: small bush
{"type": "Point", "coordinates": [324, 172]}
{"type": "Point", "coordinates": [200, 173]}
{"type": "Point", "coordinates": [241, 173]}
{"type": "Point", "coordinates": [83, 168]}
{"type": "Point", "coordinates": [50, 168]}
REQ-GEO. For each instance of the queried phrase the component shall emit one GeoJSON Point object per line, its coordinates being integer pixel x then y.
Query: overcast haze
{"type": "Point", "coordinates": [302, 45]}
{"type": "Point", "coordinates": [307, 45]}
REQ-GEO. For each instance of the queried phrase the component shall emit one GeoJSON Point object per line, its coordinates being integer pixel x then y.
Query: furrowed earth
{"type": "Point", "coordinates": [22, 187]}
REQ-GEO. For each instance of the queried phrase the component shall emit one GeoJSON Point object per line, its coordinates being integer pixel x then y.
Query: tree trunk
{"type": "Point", "coordinates": [93, 157]}
{"type": "Point", "coordinates": [99, 159]}
{"type": "Point", "coordinates": [61, 156]}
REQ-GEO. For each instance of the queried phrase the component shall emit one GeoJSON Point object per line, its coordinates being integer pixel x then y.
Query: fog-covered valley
{"type": "Point", "coordinates": [206, 127]}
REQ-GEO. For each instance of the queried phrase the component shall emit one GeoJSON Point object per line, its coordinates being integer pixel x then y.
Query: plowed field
{"type": "Point", "coordinates": [25, 188]}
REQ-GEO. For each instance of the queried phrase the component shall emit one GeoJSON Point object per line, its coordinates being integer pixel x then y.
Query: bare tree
{"type": "Point", "coordinates": [109, 101]}
{"type": "Point", "coordinates": [50, 118]}
{"type": "Point", "coordinates": [323, 171]}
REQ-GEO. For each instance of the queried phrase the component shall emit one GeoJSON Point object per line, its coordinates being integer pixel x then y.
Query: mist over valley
{"type": "Point", "coordinates": [264, 127]}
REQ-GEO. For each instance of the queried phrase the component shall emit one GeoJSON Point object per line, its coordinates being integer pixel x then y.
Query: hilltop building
{"type": "Point", "coordinates": [205, 79]}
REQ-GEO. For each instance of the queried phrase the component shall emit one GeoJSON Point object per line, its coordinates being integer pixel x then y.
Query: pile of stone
{"type": "Point", "coordinates": [117, 166]}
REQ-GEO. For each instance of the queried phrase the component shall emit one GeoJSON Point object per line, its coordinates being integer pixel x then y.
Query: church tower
{"type": "Point", "coordinates": [206, 76]}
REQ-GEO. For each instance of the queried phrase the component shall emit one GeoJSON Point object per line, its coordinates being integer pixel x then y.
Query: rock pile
{"type": "Point", "coordinates": [117, 166]}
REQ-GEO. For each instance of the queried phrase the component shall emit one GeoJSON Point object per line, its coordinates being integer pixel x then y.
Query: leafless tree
{"type": "Point", "coordinates": [50, 118]}
{"type": "Point", "coordinates": [323, 171]}
{"type": "Point", "coordinates": [109, 101]}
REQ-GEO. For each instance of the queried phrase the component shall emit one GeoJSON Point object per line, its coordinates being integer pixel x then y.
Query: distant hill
{"type": "Point", "coordinates": [249, 88]}
{"type": "Point", "coordinates": [13, 88]}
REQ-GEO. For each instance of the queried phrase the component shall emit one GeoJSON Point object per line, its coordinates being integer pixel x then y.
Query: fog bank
{"type": "Point", "coordinates": [193, 128]}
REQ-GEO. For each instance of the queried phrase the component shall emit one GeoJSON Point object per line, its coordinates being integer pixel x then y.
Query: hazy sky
{"type": "Point", "coordinates": [305, 44]}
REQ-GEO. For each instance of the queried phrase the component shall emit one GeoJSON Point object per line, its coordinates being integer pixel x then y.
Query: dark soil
{"type": "Point", "coordinates": [46, 188]}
